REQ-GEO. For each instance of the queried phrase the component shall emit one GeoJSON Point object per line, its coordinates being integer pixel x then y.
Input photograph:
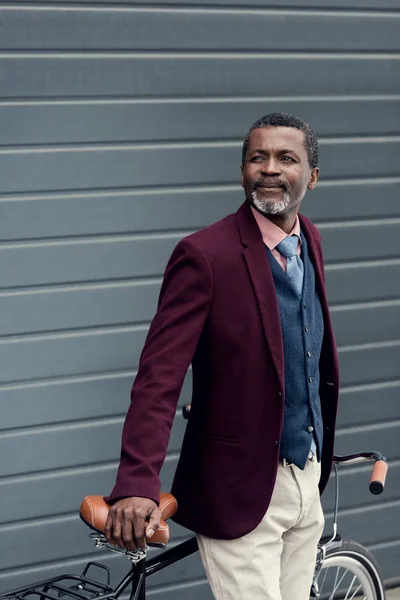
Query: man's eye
{"type": "Point", "coordinates": [288, 159]}
{"type": "Point", "coordinates": [257, 159]}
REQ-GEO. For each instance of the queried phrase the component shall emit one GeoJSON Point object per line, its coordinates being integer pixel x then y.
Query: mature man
{"type": "Point", "coordinates": [244, 301]}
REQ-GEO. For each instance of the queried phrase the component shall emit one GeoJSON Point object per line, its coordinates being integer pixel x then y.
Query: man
{"type": "Point", "coordinates": [243, 300]}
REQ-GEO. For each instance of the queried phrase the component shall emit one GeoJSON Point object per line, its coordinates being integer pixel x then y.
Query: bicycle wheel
{"type": "Point", "coordinates": [350, 572]}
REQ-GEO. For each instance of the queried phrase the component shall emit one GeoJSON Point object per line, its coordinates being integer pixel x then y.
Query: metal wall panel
{"type": "Point", "coordinates": [37, 312]}
{"type": "Point", "coordinates": [151, 120]}
{"type": "Point", "coordinates": [53, 215]}
{"type": "Point", "coordinates": [126, 28]}
{"type": "Point", "coordinates": [358, 281]}
{"type": "Point", "coordinates": [53, 451]}
{"type": "Point", "coordinates": [102, 166]}
{"type": "Point", "coordinates": [202, 74]}
{"type": "Point", "coordinates": [389, 6]}
{"type": "Point", "coordinates": [121, 128]}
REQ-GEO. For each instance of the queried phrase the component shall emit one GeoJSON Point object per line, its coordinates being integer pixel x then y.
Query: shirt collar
{"type": "Point", "coordinates": [272, 235]}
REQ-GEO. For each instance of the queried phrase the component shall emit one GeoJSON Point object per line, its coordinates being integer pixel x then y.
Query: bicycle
{"type": "Point", "coordinates": [343, 570]}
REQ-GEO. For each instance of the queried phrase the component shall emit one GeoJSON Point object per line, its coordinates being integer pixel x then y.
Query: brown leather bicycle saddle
{"type": "Point", "coordinates": [94, 512]}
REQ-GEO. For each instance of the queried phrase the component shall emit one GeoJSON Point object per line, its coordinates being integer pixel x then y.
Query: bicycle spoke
{"type": "Point", "coordinates": [356, 592]}
{"type": "Point", "coordinates": [323, 581]}
{"type": "Point", "coordinates": [336, 586]}
{"type": "Point", "coordinates": [349, 590]}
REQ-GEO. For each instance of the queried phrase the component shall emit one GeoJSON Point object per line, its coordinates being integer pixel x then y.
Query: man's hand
{"type": "Point", "coordinates": [132, 520]}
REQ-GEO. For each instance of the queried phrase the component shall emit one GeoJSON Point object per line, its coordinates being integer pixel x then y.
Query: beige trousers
{"type": "Point", "coordinates": [276, 560]}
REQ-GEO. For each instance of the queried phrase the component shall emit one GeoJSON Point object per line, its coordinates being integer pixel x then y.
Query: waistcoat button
{"type": "Point", "coordinates": [310, 428]}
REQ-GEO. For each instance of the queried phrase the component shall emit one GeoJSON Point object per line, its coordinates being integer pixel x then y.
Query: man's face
{"type": "Point", "coordinates": [276, 173]}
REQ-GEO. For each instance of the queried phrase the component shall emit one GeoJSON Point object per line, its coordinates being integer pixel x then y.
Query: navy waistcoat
{"type": "Point", "coordinates": [302, 331]}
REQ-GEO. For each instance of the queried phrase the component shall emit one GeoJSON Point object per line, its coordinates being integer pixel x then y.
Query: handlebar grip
{"type": "Point", "coordinates": [378, 477]}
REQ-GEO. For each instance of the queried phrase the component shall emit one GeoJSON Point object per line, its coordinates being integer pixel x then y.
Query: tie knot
{"type": "Point", "coordinates": [288, 246]}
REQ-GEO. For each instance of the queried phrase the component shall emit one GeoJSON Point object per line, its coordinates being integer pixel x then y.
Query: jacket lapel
{"type": "Point", "coordinates": [316, 259]}
{"type": "Point", "coordinates": [259, 268]}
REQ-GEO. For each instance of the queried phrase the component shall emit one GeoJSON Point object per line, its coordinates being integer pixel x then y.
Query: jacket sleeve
{"type": "Point", "coordinates": [183, 307]}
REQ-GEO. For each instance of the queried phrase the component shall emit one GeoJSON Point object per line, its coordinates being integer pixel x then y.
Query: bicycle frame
{"type": "Point", "coordinates": [85, 588]}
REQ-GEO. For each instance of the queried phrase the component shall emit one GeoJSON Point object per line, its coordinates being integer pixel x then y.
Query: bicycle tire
{"type": "Point", "coordinates": [347, 568]}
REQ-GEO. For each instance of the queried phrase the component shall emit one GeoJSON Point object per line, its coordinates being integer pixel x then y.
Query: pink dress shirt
{"type": "Point", "coordinates": [273, 235]}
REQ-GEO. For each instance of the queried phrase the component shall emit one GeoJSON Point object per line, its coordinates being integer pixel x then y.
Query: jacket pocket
{"type": "Point", "coordinates": [217, 438]}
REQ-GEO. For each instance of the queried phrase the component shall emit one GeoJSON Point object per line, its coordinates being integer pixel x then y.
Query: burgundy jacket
{"type": "Point", "coordinates": [218, 310]}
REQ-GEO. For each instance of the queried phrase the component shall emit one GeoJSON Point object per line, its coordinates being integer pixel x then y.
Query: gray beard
{"type": "Point", "coordinates": [270, 207]}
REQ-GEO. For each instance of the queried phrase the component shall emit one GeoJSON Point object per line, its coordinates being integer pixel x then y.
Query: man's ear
{"type": "Point", "coordinates": [241, 179]}
{"type": "Point", "coordinates": [313, 179]}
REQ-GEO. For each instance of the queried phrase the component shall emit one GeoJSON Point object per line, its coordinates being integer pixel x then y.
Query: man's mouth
{"type": "Point", "coordinates": [269, 185]}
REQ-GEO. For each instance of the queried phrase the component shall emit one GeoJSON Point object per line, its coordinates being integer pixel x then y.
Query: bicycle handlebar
{"type": "Point", "coordinates": [379, 471]}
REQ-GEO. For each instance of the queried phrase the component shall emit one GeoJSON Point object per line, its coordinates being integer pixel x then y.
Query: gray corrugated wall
{"type": "Point", "coordinates": [120, 132]}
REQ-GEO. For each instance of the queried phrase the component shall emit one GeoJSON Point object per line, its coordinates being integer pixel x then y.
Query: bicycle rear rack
{"type": "Point", "coordinates": [83, 587]}
{"type": "Point", "coordinates": [71, 587]}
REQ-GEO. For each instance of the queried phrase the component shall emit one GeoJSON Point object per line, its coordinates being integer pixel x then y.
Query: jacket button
{"type": "Point", "coordinates": [275, 443]}
{"type": "Point", "coordinates": [310, 428]}
{"type": "Point", "coordinates": [279, 394]}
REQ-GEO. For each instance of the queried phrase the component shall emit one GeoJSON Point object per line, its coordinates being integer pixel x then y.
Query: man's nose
{"type": "Point", "coordinates": [271, 166]}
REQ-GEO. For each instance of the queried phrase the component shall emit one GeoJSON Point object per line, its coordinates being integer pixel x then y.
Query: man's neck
{"type": "Point", "coordinates": [285, 222]}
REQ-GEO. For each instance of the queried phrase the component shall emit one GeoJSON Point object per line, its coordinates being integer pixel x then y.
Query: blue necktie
{"type": "Point", "coordinates": [294, 264]}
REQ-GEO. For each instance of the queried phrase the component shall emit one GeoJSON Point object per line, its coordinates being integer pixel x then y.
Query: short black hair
{"type": "Point", "coordinates": [281, 119]}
